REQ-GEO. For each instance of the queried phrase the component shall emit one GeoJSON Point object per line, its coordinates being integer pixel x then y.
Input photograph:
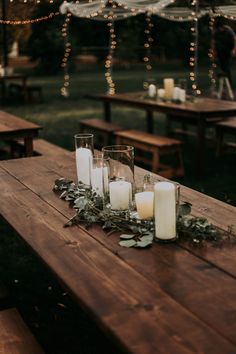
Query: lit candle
{"type": "Point", "coordinates": [152, 90]}
{"type": "Point", "coordinates": [144, 203]}
{"type": "Point", "coordinates": [165, 210]}
{"type": "Point", "coordinates": [99, 180]}
{"type": "Point", "coordinates": [182, 95]}
{"type": "Point", "coordinates": [83, 165]}
{"type": "Point", "coordinates": [168, 86]}
{"type": "Point", "coordinates": [120, 195]}
{"type": "Point", "coordinates": [176, 93]}
{"type": "Point", "coordinates": [161, 93]}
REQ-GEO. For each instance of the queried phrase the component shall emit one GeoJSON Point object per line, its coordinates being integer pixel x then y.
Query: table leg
{"type": "Point", "coordinates": [149, 117]}
{"type": "Point", "coordinates": [201, 141]}
{"type": "Point", "coordinates": [28, 146]}
{"type": "Point", "coordinates": [107, 111]}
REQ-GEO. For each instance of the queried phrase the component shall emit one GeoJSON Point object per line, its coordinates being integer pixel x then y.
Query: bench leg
{"type": "Point", "coordinates": [28, 142]}
{"type": "Point", "coordinates": [156, 161]}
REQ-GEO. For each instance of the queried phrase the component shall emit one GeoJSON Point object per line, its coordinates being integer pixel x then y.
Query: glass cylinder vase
{"type": "Point", "coordinates": [84, 155]}
{"type": "Point", "coordinates": [121, 176]}
{"type": "Point", "coordinates": [99, 175]}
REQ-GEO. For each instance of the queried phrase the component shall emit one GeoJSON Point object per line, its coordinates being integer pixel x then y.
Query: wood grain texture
{"type": "Point", "coordinates": [178, 298]}
{"type": "Point", "coordinates": [15, 337]}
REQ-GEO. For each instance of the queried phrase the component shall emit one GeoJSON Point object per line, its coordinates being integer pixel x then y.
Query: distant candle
{"type": "Point", "coordinates": [152, 90]}
{"type": "Point", "coordinates": [144, 203]}
{"type": "Point", "coordinates": [176, 93]}
{"type": "Point", "coordinates": [99, 180]}
{"type": "Point", "coordinates": [165, 210]}
{"type": "Point", "coordinates": [182, 95]}
{"type": "Point", "coordinates": [120, 195]}
{"type": "Point", "coordinates": [161, 93]}
{"type": "Point", "coordinates": [168, 86]}
{"type": "Point", "coordinates": [83, 165]}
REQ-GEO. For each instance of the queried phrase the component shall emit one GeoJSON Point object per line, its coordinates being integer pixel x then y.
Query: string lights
{"type": "Point", "coordinates": [67, 52]}
{"type": "Point", "coordinates": [147, 47]}
{"type": "Point", "coordinates": [211, 55]}
{"type": "Point", "coordinates": [193, 60]}
{"type": "Point", "coordinates": [109, 59]}
{"type": "Point", "coordinates": [30, 21]}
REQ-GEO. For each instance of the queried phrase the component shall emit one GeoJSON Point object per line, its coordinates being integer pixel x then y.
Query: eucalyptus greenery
{"type": "Point", "coordinates": [134, 232]}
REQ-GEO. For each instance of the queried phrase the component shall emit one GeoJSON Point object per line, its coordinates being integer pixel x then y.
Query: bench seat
{"type": "Point", "coordinates": [158, 146]}
{"type": "Point", "coordinates": [104, 131]}
{"type": "Point", "coordinates": [15, 337]}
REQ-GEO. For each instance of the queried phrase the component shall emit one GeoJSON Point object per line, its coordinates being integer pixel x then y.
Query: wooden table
{"type": "Point", "coordinates": [171, 298]}
{"type": "Point", "coordinates": [201, 111]}
{"type": "Point", "coordinates": [12, 127]}
{"type": "Point", "coordinates": [22, 78]}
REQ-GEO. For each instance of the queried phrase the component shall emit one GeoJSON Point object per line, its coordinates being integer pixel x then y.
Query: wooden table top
{"type": "Point", "coordinates": [200, 105]}
{"type": "Point", "coordinates": [10, 124]}
{"type": "Point", "coordinates": [13, 76]}
{"type": "Point", "coordinates": [171, 298]}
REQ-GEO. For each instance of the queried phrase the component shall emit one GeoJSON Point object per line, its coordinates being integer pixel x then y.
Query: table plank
{"type": "Point", "coordinates": [138, 314]}
{"type": "Point", "coordinates": [9, 122]}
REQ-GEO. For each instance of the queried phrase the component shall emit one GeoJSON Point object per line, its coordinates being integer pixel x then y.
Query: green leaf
{"type": "Point", "coordinates": [126, 236]}
{"type": "Point", "coordinates": [128, 243]}
{"type": "Point", "coordinates": [144, 243]}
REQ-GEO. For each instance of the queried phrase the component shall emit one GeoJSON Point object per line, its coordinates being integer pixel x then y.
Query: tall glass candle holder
{"type": "Point", "coordinates": [166, 202]}
{"type": "Point", "coordinates": [99, 175]}
{"type": "Point", "coordinates": [121, 176]}
{"type": "Point", "coordinates": [84, 155]}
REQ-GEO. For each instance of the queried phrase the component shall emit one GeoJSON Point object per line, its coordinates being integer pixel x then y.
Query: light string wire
{"type": "Point", "coordinates": [27, 1]}
{"type": "Point", "coordinates": [110, 58]}
{"type": "Point", "coordinates": [27, 22]}
{"type": "Point", "coordinates": [66, 56]}
{"type": "Point", "coordinates": [193, 60]}
{"type": "Point", "coordinates": [111, 89]}
{"type": "Point", "coordinates": [211, 56]}
{"type": "Point", "coordinates": [147, 48]}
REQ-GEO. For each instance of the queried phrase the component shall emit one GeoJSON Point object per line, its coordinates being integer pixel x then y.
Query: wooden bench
{"type": "Point", "coordinates": [41, 147]}
{"type": "Point", "coordinates": [225, 127]}
{"type": "Point", "coordinates": [158, 146]}
{"type": "Point", "coordinates": [104, 131]}
{"type": "Point", "coordinates": [15, 337]}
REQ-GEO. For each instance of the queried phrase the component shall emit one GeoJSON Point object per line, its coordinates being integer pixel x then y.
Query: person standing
{"type": "Point", "coordinates": [224, 47]}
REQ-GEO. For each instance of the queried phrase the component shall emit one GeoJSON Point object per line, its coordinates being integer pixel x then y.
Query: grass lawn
{"type": "Point", "coordinates": [60, 326]}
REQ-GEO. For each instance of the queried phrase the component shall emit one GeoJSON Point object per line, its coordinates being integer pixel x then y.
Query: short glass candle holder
{"type": "Point", "coordinates": [166, 205]}
{"type": "Point", "coordinates": [99, 175]}
{"type": "Point", "coordinates": [144, 199]}
{"type": "Point", "coordinates": [121, 176]}
{"type": "Point", "coordinates": [84, 155]}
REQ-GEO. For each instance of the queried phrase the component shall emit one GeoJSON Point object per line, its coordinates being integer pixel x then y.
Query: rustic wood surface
{"type": "Point", "coordinates": [15, 337]}
{"type": "Point", "coordinates": [172, 298]}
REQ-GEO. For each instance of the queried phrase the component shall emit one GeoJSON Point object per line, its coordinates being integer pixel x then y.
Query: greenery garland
{"type": "Point", "coordinates": [134, 232]}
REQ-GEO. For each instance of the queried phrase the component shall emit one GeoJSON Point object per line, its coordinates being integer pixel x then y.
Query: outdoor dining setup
{"type": "Point", "coordinates": [117, 213]}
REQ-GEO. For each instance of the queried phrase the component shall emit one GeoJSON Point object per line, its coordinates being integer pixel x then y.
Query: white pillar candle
{"type": "Point", "coordinates": [145, 204]}
{"type": "Point", "coordinates": [161, 93]}
{"type": "Point", "coordinates": [120, 195]}
{"type": "Point", "coordinates": [182, 95]}
{"type": "Point", "coordinates": [99, 180]}
{"type": "Point", "coordinates": [176, 93]}
{"type": "Point", "coordinates": [83, 164]}
{"type": "Point", "coordinates": [152, 90]}
{"type": "Point", "coordinates": [168, 86]}
{"type": "Point", "coordinates": [165, 210]}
